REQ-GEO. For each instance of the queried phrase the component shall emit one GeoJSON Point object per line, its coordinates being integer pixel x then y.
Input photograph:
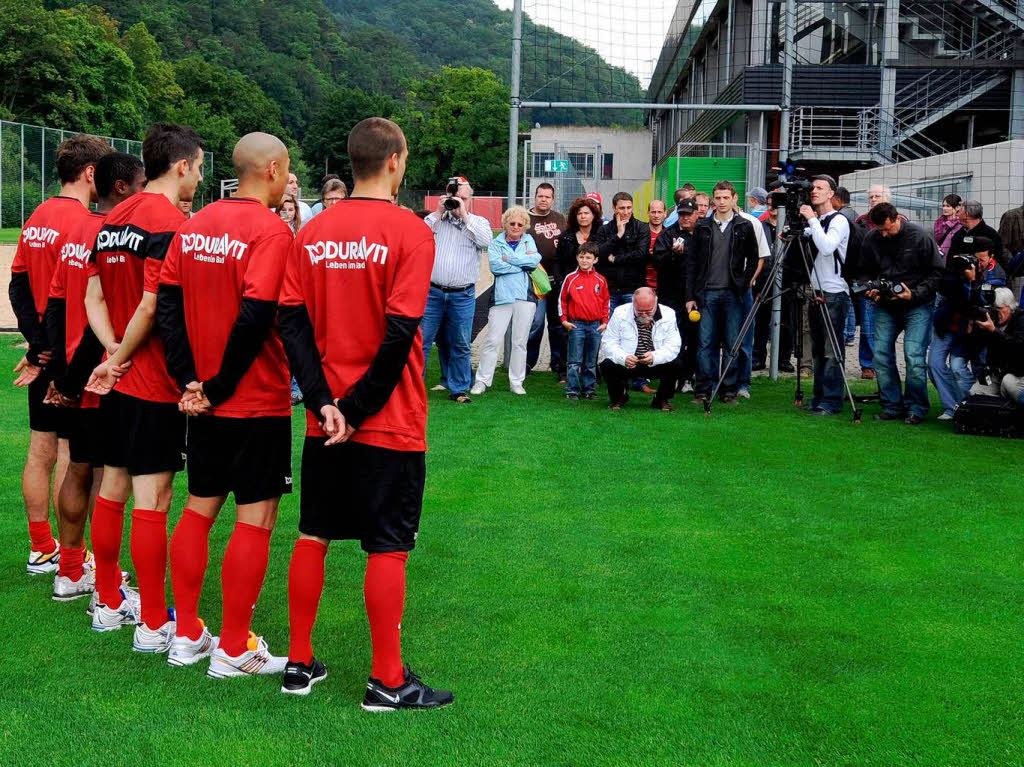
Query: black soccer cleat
{"type": "Point", "coordinates": [299, 678]}
{"type": "Point", "coordinates": [413, 694]}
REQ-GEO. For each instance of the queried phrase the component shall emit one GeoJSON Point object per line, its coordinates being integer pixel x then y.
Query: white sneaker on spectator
{"type": "Point", "coordinates": [439, 387]}
{"type": "Point", "coordinates": [517, 390]}
{"type": "Point", "coordinates": [946, 416]}
{"type": "Point", "coordinates": [687, 388]}
{"type": "Point", "coordinates": [478, 388]}
{"type": "Point", "coordinates": [743, 393]}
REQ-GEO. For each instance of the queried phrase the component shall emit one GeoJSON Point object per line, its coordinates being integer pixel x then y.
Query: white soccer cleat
{"type": "Point", "coordinates": [112, 618]}
{"type": "Point", "coordinates": [40, 564]}
{"type": "Point", "coordinates": [478, 388]}
{"type": "Point", "coordinates": [154, 640]}
{"type": "Point", "coordinates": [95, 600]}
{"type": "Point", "coordinates": [256, 660]}
{"type": "Point", "coordinates": [185, 651]}
{"type": "Point", "coordinates": [517, 390]}
{"type": "Point", "coordinates": [66, 590]}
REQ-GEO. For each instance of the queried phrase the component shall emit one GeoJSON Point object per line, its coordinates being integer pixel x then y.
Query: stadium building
{"type": "Point", "coordinates": [874, 83]}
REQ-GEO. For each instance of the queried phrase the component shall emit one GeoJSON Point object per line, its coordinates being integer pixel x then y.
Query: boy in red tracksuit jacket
{"type": "Point", "coordinates": [583, 309]}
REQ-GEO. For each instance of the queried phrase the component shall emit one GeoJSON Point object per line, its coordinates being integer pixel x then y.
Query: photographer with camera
{"type": "Point", "coordinates": [903, 267]}
{"type": "Point", "coordinates": [972, 215]}
{"type": "Point", "coordinates": [829, 231]}
{"type": "Point", "coordinates": [961, 297]}
{"type": "Point", "coordinates": [459, 238]}
{"type": "Point", "coordinates": [1001, 334]}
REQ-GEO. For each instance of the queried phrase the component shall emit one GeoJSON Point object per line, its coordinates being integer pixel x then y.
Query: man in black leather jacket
{"type": "Point", "coordinates": [623, 250]}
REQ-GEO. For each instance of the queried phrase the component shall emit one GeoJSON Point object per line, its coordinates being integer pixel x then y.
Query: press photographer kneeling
{"type": "Point", "coordinates": [903, 267]}
{"type": "Point", "coordinates": [1001, 335]}
{"type": "Point", "coordinates": [967, 285]}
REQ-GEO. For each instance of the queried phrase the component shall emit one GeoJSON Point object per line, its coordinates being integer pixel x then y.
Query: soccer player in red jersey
{"type": "Point", "coordinates": [76, 350]}
{"type": "Point", "coordinates": [145, 437]}
{"type": "Point", "coordinates": [34, 261]}
{"type": "Point", "coordinates": [354, 291]}
{"type": "Point", "coordinates": [216, 310]}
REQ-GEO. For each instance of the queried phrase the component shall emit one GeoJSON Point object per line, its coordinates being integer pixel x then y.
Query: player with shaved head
{"type": "Point", "coordinates": [217, 304]}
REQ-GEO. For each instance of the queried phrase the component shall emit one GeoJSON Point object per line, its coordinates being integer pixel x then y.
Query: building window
{"type": "Point", "coordinates": [582, 163]}
{"type": "Point", "coordinates": [538, 159]}
{"type": "Point", "coordinates": [607, 166]}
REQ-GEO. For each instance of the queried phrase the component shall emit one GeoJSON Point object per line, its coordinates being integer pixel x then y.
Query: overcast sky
{"type": "Point", "coordinates": [626, 34]}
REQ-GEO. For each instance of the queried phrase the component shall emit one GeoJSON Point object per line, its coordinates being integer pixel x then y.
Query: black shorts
{"type": "Point", "coordinates": [43, 417]}
{"type": "Point", "coordinates": [84, 428]}
{"type": "Point", "coordinates": [250, 457]}
{"type": "Point", "coordinates": [140, 436]}
{"type": "Point", "coordinates": [360, 492]}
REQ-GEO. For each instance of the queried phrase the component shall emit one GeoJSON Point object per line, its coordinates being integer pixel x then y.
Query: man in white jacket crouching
{"type": "Point", "coordinates": [641, 339]}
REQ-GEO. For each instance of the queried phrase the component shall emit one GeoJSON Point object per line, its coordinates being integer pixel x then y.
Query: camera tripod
{"type": "Point", "coordinates": [787, 240]}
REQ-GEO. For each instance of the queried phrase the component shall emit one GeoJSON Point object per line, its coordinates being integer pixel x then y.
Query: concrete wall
{"type": "Point", "coordinates": [631, 150]}
{"type": "Point", "coordinates": [992, 174]}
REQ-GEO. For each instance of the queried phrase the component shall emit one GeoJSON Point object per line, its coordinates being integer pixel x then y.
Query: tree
{"type": "Point", "coordinates": [456, 123]}
{"type": "Point", "coordinates": [326, 142]}
{"type": "Point", "coordinates": [154, 73]}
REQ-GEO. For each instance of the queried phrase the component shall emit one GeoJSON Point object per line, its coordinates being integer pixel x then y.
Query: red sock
{"type": "Point", "coordinates": [305, 584]}
{"type": "Point", "coordinates": [106, 530]}
{"type": "Point", "coordinates": [245, 566]}
{"type": "Point", "coordinates": [71, 560]}
{"type": "Point", "coordinates": [384, 590]}
{"type": "Point", "coordinates": [41, 536]}
{"type": "Point", "coordinates": [190, 547]}
{"type": "Point", "coordinates": [149, 555]}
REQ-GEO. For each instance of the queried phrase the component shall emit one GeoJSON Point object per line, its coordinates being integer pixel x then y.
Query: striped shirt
{"type": "Point", "coordinates": [457, 247]}
{"type": "Point", "coordinates": [644, 339]}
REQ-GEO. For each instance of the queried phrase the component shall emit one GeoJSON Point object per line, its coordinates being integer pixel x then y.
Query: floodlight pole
{"type": "Point", "coordinates": [784, 119]}
{"type": "Point", "coordinates": [513, 114]}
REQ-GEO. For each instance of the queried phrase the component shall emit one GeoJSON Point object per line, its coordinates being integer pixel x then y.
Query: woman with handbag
{"type": "Point", "coordinates": [512, 256]}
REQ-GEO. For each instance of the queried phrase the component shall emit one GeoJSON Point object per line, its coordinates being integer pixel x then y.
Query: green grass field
{"type": "Point", "coordinates": [9, 236]}
{"type": "Point", "coordinates": [753, 588]}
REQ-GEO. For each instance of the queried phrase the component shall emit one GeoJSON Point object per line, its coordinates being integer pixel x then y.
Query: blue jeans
{"type": "Point", "coordinates": [828, 366]}
{"type": "Point", "coordinates": [547, 307]}
{"type": "Point", "coordinates": [617, 300]}
{"type": "Point", "coordinates": [916, 325]}
{"type": "Point", "coordinates": [953, 379]}
{"type": "Point", "coordinates": [581, 372]}
{"type": "Point", "coordinates": [721, 314]}
{"type": "Point", "coordinates": [851, 324]}
{"type": "Point", "coordinates": [452, 314]}
{"type": "Point", "coordinates": [865, 311]}
{"type": "Point", "coordinates": [745, 359]}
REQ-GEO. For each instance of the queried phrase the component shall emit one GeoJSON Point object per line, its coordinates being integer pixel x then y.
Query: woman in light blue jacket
{"type": "Point", "coordinates": [512, 256]}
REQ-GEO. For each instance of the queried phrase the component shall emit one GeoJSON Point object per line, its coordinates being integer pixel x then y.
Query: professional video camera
{"type": "Point", "coordinates": [791, 191]}
{"type": "Point", "coordinates": [886, 288]}
{"type": "Point", "coordinates": [451, 201]}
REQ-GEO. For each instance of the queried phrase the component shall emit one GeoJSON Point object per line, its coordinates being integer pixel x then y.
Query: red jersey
{"type": "Point", "coordinates": [651, 273]}
{"type": "Point", "coordinates": [70, 280]}
{"type": "Point", "coordinates": [230, 250]}
{"type": "Point", "coordinates": [351, 266]}
{"type": "Point", "coordinates": [40, 243]}
{"type": "Point", "coordinates": [584, 296]}
{"type": "Point", "coordinates": [129, 252]}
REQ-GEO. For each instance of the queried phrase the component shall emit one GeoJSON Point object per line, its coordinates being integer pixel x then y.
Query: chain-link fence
{"type": "Point", "coordinates": [28, 173]}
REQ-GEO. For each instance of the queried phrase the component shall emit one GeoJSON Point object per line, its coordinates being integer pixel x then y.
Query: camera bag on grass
{"type": "Point", "coordinates": [989, 416]}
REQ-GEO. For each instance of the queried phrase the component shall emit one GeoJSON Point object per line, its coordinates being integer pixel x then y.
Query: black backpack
{"type": "Point", "coordinates": [850, 269]}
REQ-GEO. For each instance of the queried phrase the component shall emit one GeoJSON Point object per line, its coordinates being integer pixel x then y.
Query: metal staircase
{"type": "Point", "coordinates": [973, 30]}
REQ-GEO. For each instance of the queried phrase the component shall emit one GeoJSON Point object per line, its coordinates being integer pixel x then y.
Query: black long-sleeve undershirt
{"type": "Point", "coordinates": [248, 334]}
{"type": "Point", "coordinates": [372, 391]}
{"type": "Point", "coordinates": [170, 319]}
{"type": "Point", "coordinates": [54, 319]}
{"type": "Point", "coordinates": [300, 345]}
{"type": "Point", "coordinates": [24, 305]}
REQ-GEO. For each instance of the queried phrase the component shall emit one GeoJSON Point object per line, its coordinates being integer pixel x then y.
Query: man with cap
{"type": "Point", "coordinates": [757, 200]}
{"type": "Point", "coordinates": [669, 257]}
{"type": "Point", "coordinates": [947, 360]}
